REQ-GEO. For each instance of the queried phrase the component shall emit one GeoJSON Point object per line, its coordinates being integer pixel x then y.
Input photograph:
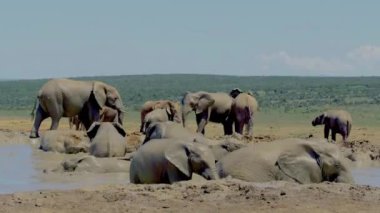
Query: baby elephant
{"type": "Point", "coordinates": [339, 121]}
{"type": "Point", "coordinates": [65, 141]}
{"type": "Point", "coordinates": [107, 139]}
{"type": "Point", "coordinates": [171, 160]}
{"type": "Point", "coordinates": [157, 115]}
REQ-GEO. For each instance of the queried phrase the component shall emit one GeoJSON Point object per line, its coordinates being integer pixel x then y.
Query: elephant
{"type": "Point", "coordinates": [66, 98]}
{"type": "Point", "coordinates": [108, 114]}
{"type": "Point", "coordinates": [107, 139]}
{"type": "Point", "coordinates": [65, 141]}
{"type": "Point", "coordinates": [149, 106]}
{"type": "Point", "coordinates": [338, 121]}
{"type": "Point", "coordinates": [171, 130]}
{"type": "Point", "coordinates": [169, 161]}
{"type": "Point", "coordinates": [157, 115]}
{"type": "Point", "coordinates": [244, 110]}
{"type": "Point", "coordinates": [214, 107]}
{"type": "Point", "coordinates": [294, 160]}
{"type": "Point", "coordinates": [74, 121]}
{"type": "Point", "coordinates": [93, 165]}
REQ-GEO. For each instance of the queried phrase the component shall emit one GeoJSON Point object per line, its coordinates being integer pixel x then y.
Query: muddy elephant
{"type": "Point", "coordinates": [93, 165]}
{"type": "Point", "coordinates": [171, 130]}
{"type": "Point", "coordinates": [157, 115]}
{"type": "Point", "coordinates": [244, 109]}
{"type": "Point", "coordinates": [295, 160]}
{"type": "Point", "coordinates": [214, 107]}
{"type": "Point", "coordinates": [169, 161]}
{"type": "Point", "coordinates": [65, 141]}
{"type": "Point", "coordinates": [171, 106]}
{"type": "Point", "coordinates": [66, 98]}
{"type": "Point", "coordinates": [338, 121]}
{"type": "Point", "coordinates": [107, 139]}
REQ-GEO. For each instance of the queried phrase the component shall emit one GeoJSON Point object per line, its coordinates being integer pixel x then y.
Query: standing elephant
{"type": "Point", "coordinates": [244, 110]}
{"type": "Point", "coordinates": [160, 104]}
{"type": "Point", "coordinates": [171, 130]}
{"type": "Point", "coordinates": [293, 160]}
{"type": "Point", "coordinates": [338, 121]}
{"type": "Point", "coordinates": [157, 115]}
{"type": "Point", "coordinates": [214, 107]}
{"type": "Point", "coordinates": [74, 121]}
{"type": "Point", "coordinates": [107, 139]}
{"type": "Point", "coordinates": [169, 161]}
{"type": "Point", "coordinates": [66, 98]}
{"type": "Point", "coordinates": [65, 141]}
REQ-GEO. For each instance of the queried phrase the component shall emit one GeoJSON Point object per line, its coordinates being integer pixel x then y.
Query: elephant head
{"type": "Point", "coordinates": [319, 120]}
{"type": "Point", "coordinates": [190, 158]}
{"type": "Point", "coordinates": [198, 102]}
{"type": "Point", "coordinates": [106, 95]}
{"type": "Point", "coordinates": [235, 92]}
{"type": "Point", "coordinates": [313, 162]}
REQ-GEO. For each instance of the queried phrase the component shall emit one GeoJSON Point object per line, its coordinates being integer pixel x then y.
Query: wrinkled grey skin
{"type": "Point", "coordinates": [65, 141]}
{"type": "Point", "coordinates": [59, 98]}
{"type": "Point", "coordinates": [214, 107]}
{"type": "Point", "coordinates": [294, 160]}
{"type": "Point", "coordinates": [107, 139]}
{"type": "Point", "coordinates": [169, 161]}
{"type": "Point", "coordinates": [244, 109]}
{"type": "Point", "coordinates": [94, 165]}
{"type": "Point", "coordinates": [160, 130]}
{"type": "Point", "coordinates": [157, 115]}
{"type": "Point", "coordinates": [338, 121]}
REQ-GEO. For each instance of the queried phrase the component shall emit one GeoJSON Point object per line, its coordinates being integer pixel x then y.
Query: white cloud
{"type": "Point", "coordinates": [365, 53]}
{"type": "Point", "coordinates": [304, 63]}
{"type": "Point", "coordinates": [354, 62]}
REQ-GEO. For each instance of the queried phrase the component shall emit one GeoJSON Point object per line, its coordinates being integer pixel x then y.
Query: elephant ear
{"type": "Point", "coordinates": [300, 167]}
{"type": "Point", "coordinates": [204, 102]}
{"type": "Point", "coordinates": [179, 156]}
{"type": "Point", "coordinates": [100, 93]}
{"type": "Point", "coordinates": [91, 132]}
{"type": "Point", "coordinates": [119, 128]}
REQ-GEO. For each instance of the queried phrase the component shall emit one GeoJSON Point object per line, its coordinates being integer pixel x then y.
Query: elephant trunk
{"type": "Point", "coordinates": [185, 111]}
{"type": "Point", "coordinates": [210, 174]}
{"type": "Point", "coordinates": [120, 109]}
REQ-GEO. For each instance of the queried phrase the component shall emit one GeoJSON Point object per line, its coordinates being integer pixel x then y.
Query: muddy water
{"type": "Point", "coordinates": [367, 176]}
{"type": "Point", "coordinates": [24, 168]}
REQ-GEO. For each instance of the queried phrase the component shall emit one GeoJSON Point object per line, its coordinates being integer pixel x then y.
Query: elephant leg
{"type": "Point", "coordinates": [250, 127]}
{"type": "Point", "coordinates": [239, 126]}
{"type": "Point", "coordinates": [327, 132]}
{"type": "Point", "coordinates": [40, 116]}
{"type": "Point", "coordinates": [55, 123]}
{"type": "Point", "coordinates": [333, 135]}
{"type": "Point", "coordinates": [228, 127]}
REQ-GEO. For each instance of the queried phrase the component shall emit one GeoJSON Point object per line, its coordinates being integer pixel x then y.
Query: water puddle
{"type": "Point", "coordinates": [21, 167]}
{"type": "Point", "coordinates": [21, 170]}
{"type": "Point", "coordinates": [367, 176]}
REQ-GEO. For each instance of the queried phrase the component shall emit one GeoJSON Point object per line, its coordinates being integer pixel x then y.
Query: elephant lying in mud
{"type": "Point", "coordinates": [94, 165]}
{"type": "Point", "coordinates": [65, 141]}
{"type": "Point", "coordinates": [171, 160]}
{"type": "Point", "coordinates": [338, 121]}
{"type": "Point", "coordinates": [107, 139]}
{"type": "Point", "coordinates": [173, 130]}
{"type": "Point", "coordinates": [295, 160]}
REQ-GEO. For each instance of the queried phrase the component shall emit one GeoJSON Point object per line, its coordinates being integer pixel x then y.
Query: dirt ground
{"type": "Point", "coordinates": [197, 195]}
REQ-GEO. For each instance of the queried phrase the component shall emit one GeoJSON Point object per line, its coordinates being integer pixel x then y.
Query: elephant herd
{"type": "Point", "coordinates": [170, 152]}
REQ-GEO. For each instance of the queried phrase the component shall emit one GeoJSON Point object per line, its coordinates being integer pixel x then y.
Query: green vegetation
{"type": "Point", "coordinates": [280, 98]}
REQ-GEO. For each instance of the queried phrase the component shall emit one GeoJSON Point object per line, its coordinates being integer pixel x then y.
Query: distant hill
{"type": "Point", "coordinates": [286, 93]}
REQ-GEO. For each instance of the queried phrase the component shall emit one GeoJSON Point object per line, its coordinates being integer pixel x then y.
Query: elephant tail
{"type": "Point", "coordinates": [34, 108]}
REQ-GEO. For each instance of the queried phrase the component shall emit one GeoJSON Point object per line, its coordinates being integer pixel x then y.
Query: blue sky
{"type": "Point", "coordinates": [43, 39]}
